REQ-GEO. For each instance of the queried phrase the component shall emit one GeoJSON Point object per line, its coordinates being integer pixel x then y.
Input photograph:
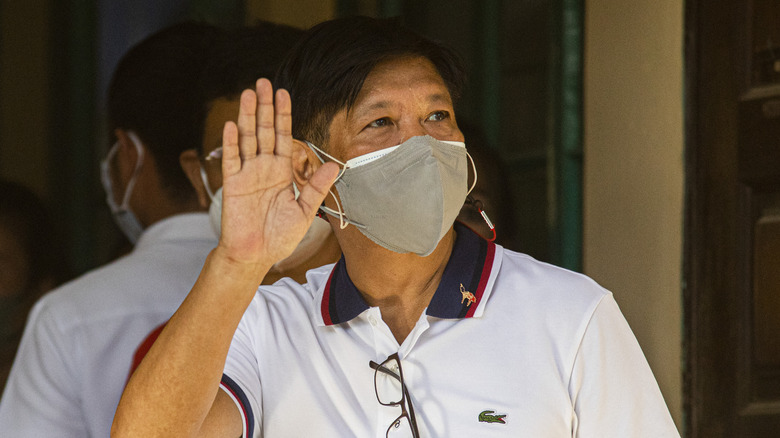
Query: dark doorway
{"type": "Point", "coordinates": [732, 254]}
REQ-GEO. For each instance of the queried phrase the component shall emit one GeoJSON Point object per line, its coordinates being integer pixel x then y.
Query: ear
{"type": "Point", "coordinates": [126, 156]}
{"type": "Point", "coordinates": [190, 164]}
{"type": "Point", "coordinates": [304, 163]}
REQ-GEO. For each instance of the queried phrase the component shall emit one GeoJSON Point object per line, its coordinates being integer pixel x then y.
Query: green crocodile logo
{"type": "Point", "coordinates": [488, 417]}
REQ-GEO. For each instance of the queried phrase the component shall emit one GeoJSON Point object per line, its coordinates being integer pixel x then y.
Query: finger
{"type": "Point", "coordinates": [231, 163]}
{"type": "Point", "coordinates": [247, 140]}
{"type": "Point", "coordinates": [283, 123]}
{"type": "Point", "coordinates": [313, 193]}
{"type": "Point", "coordinates": [265, 116]}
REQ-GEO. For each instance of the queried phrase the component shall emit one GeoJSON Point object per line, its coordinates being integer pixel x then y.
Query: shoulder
{"type": "Point", "coordinates": [287, 300]}
{"type": "Point", "coordinates": [139, 283]}
{"type": "Point", "coordinates": [534, 279]}
{"type": "Point", "coordinates": [545, 299]}
{"type": "Point", "coordinates": [73, 298]}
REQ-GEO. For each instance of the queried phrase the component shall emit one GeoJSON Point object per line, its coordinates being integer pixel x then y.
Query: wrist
{"type": "Point", "coordinates": [235, 271]}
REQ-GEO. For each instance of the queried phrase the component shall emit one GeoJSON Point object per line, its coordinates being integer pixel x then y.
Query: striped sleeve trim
{"type": "Point", "coordinates": [242, 402]}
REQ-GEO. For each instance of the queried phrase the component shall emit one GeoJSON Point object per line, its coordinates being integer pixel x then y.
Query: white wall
{"type": "Point", "coordinates": [633, 172]}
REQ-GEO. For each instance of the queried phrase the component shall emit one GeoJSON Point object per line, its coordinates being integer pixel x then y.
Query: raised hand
{"type": "Point", "coordinates": [262, 222]}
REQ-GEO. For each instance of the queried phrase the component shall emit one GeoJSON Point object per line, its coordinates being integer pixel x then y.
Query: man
{"type": "Point", "coordinates": [79, 341]}
{"type": "Point", "coordinates": [419, 330]}
{"type": "Point", "coordinates": [31, 263]}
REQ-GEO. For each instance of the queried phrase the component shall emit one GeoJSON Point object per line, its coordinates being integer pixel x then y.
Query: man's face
{"type": "Point", "coordinates": [221, 110]}
{"type": "Point", "coordinates": [400, 99]}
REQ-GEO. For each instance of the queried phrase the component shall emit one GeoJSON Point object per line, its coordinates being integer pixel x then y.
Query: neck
{"type": "Point", "coordinates": [330, 252]}
{"type": "Point", "coordinates": [151, 217]}
{"type": "Point", "coordinates": [404, 286]}
{"type": "Point", "coordinates": [151, 202]}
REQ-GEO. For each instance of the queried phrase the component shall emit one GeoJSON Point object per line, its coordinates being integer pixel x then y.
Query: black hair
{"type": "Point", "coordinates": [244, 56]}
{"type": "Point", "coordinates": [29, 221]}
{"type": "Point", "coordinates": [493, 189]}
{"type": "Point", "coordinates": [326, 70]}
{"type": "Point", "coordinates": [155, 92]}
{"type": "Point", "coordinates": [247, 54]}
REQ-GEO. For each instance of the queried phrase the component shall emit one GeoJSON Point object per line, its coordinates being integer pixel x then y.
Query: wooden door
{"type": "Point", "coordinates": [732, 259]}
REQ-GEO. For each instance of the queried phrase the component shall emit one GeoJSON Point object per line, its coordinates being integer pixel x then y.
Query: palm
{"type": "Point", "coordinates": [262, 222]}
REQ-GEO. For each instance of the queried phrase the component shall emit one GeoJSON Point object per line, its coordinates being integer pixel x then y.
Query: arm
{"type": "Point", "coordinates": [173, 390]}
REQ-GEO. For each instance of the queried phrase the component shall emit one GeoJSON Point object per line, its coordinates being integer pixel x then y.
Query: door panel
{"type": "Point", "coordinates": [732, 260]}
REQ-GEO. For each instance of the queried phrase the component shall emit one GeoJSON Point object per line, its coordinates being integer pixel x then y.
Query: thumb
{"type": "Point", "coordinates": [313, 193]}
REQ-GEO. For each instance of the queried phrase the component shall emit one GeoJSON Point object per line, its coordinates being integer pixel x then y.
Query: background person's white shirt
{"type": "Point", "coordinates": [78, 346]}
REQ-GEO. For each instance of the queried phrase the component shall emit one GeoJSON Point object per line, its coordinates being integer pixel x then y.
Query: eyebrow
{"type": "Point", "coordinates": [440, 97]}
{"type": "Point", "coordinates": [432, 98]}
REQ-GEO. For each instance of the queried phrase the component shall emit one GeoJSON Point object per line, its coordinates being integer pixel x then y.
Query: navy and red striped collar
{"type": "Point", "coordinates": [462, 288]}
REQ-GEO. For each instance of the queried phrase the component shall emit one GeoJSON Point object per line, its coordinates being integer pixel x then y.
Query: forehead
{"type": "Point", "coordinates": [401, 80]}
{"type": "Point", "coordinates": [406, 90]}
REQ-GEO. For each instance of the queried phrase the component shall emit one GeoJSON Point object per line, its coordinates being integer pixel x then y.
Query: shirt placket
{"type": "Point", "coordinates": [385, 344]}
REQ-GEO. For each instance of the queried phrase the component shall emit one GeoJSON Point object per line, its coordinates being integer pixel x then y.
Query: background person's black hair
{"type": "Point", "coordinates": [245, 55]}
{"type": "Point", "coordinates": [325, 71]}
{"type": "Point", "coordinates": [23, 212]}
{"type": "Point", "coordinates": [155, 92]}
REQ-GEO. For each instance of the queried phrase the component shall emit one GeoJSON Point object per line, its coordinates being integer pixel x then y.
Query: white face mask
{"type": "Point", "coordinates": [123, 216]}
{"type": "Point", "coordinates": [312, 241]}
{"type": "Point", "coordinates": [406, 197]}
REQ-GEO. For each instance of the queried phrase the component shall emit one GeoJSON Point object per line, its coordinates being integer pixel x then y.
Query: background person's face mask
{"type": "Point", "coordinates": [404, 198]}
{"type": "Point", "coordinates": [312, 241]}
{"type": "Point", "coordinates": [123, 216]}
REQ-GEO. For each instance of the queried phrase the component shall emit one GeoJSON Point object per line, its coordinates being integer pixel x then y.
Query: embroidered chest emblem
{"type": "Point", "coordinates": [491, 417]}
{"type": "Point", "coordinates": [468, 297]}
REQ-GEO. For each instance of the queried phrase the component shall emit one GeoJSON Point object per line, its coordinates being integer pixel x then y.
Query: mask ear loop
{"type": "Point", "coordinates": [206, 185]}
{"type": "Point", "coordinates": [473, 166]}
{"type": "Point", "coordinates": [129, 190]}
{"type": "Point", "coordinates": [216, 156]}
{"type": "Point", "coordinates": [477, 204]}
{"type": "Point", "coordinates": [342, 223]}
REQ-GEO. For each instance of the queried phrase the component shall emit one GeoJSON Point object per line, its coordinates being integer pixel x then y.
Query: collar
{"type": "Point", "coordinates": [465, 284]}
{"type": "Point", "coordinates": [186, 226]}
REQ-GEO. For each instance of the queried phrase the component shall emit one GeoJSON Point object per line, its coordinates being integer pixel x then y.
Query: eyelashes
{"type": "Point", "coordinates": [383, 122]}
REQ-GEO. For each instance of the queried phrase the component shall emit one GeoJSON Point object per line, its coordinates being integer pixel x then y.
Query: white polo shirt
{"type": "Point", "coordinates": [504, 335]}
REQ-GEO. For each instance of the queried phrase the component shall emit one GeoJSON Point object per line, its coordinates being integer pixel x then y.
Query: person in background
{"type": "Point", "coordinates": [253, 52]}
{"type": "Point", "coordinates": [77, 347]}
{"type": "Point", "coordinates": [492, 194]}
{"type": "Point", "coordinates": [249, 53]}
{"type": "Point", "coordinates": [32, 262]}
{"type": "Point", "coordinates": [423, 328]}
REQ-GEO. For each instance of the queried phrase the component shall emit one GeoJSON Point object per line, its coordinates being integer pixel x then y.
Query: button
{"type": "Point", "coordinates": [372, 320]}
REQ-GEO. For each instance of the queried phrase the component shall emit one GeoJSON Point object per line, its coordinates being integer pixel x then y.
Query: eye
{"type": "Point", "coordinates": [439, 116]}
{"type": "Point", "coordinates": [380, 123]}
